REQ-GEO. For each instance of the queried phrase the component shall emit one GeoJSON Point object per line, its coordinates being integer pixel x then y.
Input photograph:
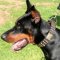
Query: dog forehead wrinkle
{"type": "Point", "coordinates": [24, 21]}
{"type": "Point", "coordinates": [18, 30]}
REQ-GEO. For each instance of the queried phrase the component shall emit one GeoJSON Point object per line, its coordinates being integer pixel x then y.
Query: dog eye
{"type": "Point", "coordinates": [18, 27]}
{"type": "Point", "coordinates": [18, 24]}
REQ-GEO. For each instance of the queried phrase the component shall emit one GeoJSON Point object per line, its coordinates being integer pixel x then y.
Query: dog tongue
{"type": "Point", "coordinates": [19, 45]}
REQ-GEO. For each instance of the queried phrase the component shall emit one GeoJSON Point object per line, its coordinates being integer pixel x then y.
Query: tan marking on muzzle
{"type": "Point", "coordinates": [11, 38]}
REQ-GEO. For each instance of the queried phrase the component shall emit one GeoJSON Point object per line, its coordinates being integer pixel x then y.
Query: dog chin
{"type": "Point", "coordinates": [19, 44]}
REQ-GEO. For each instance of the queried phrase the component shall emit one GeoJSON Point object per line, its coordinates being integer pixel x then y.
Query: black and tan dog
{"type": "Point", "coordinates": [30, 28]}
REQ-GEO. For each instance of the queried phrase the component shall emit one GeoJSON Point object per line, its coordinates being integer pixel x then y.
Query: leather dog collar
{"type": "Point", "coordinates": [49, 36]}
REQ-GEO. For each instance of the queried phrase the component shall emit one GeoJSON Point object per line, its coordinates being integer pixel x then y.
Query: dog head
{"type": "Point", "coordinates": [25, 29]}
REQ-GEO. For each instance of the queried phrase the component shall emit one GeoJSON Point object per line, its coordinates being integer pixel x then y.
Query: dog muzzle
{"type": "Point", "coordinates": [19, 40]}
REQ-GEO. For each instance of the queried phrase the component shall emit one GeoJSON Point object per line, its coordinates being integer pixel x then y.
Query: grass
{"type": "Point", "coordinates": [5, 3]}
{"type": "Point", "coordinates": [30, 52]}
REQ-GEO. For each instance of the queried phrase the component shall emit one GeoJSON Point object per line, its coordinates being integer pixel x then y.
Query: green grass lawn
{"type": "Point", "coordinates": [46, 8]}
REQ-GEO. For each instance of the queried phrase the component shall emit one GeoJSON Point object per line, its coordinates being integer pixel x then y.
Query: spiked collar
{"type": "Point", "coordinates": [49, 36]}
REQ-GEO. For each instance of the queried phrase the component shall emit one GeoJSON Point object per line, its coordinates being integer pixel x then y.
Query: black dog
{"type": "Point", "coordinates": [26, 29]}
{"type": "Point", "coordinates": [30, 28]}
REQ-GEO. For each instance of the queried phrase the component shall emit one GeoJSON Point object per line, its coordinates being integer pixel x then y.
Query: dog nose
{"type": "Point", "coordinates": [3, 36]}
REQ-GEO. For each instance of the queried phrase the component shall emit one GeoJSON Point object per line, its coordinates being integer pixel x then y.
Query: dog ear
{"type": "Point", "coordinates": [28, 5]}
{"type": "Point", "coordinates": [35, 15]}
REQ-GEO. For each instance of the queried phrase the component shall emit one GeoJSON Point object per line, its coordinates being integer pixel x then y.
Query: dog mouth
{"type": "Point", "coordinates": [19, 40]}
{"type": "Point", "coordinates": [19, 44]}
